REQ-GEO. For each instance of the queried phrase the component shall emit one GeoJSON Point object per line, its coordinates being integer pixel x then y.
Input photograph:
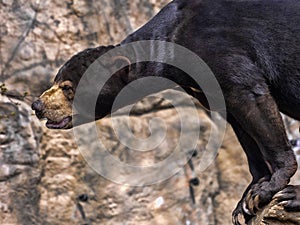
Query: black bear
{"type": "Point", "coordinates": [252, 47]}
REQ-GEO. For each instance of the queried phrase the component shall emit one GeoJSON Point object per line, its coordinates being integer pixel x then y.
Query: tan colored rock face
{"type": "Point", "coordinates": [20, 170]}
{"type": "Point", "coordinates": [37, 37]}
{"type": "Point", "coordinates": [59, 187]}
{"type": "Point", "coordinates": [67, 178]}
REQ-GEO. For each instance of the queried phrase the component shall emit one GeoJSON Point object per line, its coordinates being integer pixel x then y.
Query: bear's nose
{"type": "Point", "coordinates": [37, 106]}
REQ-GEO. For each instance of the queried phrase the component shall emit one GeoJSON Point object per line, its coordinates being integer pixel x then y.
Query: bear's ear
{"type": "Point", "coordinates": [120, 62]}
{"type": "Point", "coordinates": [124, 63]}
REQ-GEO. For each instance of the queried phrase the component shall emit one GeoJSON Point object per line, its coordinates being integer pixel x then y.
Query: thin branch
{"type": "Point", "coordinates": [21, 97]}
{"type": "Point", "coordinates": [15, 51]}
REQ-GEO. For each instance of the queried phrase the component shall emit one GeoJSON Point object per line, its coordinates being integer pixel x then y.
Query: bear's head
{"type": "Point", "coordinates": [56, 103]}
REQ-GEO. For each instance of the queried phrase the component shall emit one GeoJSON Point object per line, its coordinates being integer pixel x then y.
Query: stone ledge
{"type": "Point", "coordinates": [275, 214]}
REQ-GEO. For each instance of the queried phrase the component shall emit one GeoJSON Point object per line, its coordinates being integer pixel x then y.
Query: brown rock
{"type": "Point", "coordinates": [275, 214]}
{"type": "Point", "coordinates": [20, 170]}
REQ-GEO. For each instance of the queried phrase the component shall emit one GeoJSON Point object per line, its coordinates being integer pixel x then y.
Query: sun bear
{"type": "Point", "coordinates": [252, 47]}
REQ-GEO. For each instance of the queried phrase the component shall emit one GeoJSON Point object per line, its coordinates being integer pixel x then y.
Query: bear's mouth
{"type": "Point", "coordinates": [64, 123]}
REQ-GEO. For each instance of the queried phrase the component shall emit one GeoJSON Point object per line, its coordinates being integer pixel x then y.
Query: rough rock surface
{"type": "Point", "coordinates": [20, 169]}
{"type": "Point", "coordinates": [43, 176]}
{"type": "Point", "coordinates": [275, 214]}
{"type": "Point", "coordinates": [67, 178]}
{"type": "Point", "coordinates": [36, 36]}
{"type": "Point", "coordinates": [47, 176]}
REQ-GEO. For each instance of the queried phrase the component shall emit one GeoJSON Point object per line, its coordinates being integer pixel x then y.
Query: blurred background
{"type": "Point", "coordinates": [43, 177]}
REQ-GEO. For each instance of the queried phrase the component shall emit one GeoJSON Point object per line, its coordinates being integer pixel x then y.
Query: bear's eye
{"type": "Point", "coordinates": [67, 88]}
{"type": "Point", "coordinates": [68, 91]}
